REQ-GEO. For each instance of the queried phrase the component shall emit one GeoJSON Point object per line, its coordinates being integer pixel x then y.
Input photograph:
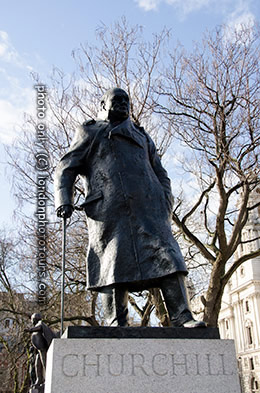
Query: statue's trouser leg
{"type": "Point", "coordinates": [39, 370]}
{"type": "Point", "coordinates": [114, 303]}
{"type": "Point", "coordinates": [176, 298]}
{"type": "Point", "coordinates": [43, 355]}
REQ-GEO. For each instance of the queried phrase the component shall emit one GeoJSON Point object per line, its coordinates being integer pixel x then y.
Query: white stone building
{"type": "Point", "coordinates": [239, 318]}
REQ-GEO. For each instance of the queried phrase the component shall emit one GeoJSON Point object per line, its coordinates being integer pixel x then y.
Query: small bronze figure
{"type": "Point", "coordinates": [128, 206]}
{"type": "Point", "coordinates": [41, 338]}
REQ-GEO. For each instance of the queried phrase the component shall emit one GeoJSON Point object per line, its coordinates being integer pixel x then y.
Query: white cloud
{"type": "Point", "coordinates": [7, 51]}
{"type": "Point", "coordinates": [12, 115]}
{"type": "Point", "coordinates": [241, 18]}
{"type": "Point", "coordinates": [148, 5]}
{"type": "Point", "coordinates": [245, 19]}
{"type": "Point", "coordinates": [234, 11]}
{"type": "Point", "coordinates": [185, 6]}
{"type": "Point", "coordinates": [17, 96]}
{"type": "Point", "coordinates": [9, 117]}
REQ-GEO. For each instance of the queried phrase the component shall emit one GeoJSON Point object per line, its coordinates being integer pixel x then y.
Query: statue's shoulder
{"type": "Point", "coordinates": [86, 132]}
{"type": "Point", "coordinates": [93, 125]}
{"type": "Point", "coordinates": [141, 130]}
{"type": "Point", "coordinates": [88, 128]}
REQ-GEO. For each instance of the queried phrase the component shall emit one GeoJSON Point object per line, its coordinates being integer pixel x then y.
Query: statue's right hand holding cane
{"type": "Point", "coordinates": [65, 211]}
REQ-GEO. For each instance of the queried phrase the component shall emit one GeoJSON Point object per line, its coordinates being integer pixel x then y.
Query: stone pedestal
{"type": "Point", "coordinates": [140, 365]}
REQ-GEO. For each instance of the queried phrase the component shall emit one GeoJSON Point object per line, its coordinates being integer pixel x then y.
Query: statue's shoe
{"type": "Point", "coordinates": [194, 324]}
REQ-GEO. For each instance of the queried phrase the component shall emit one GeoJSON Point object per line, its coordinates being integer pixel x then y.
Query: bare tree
{"type": "Point", "coordinates": [13, 317]}
{"type": "Point", "coordinates": [207, 102]}
{"type": "Point", "coordinates": [212, 97]}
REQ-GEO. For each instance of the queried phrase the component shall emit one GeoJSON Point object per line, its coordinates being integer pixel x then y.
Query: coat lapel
{"type": "Point", "coordinates": [129, 131]}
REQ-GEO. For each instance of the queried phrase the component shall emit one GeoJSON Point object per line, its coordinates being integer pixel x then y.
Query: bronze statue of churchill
{"type": "Point", "coordinates": [128, 206]}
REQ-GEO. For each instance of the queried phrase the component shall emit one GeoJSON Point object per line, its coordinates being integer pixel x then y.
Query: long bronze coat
{"type": "Point", "coordinates": [128, 204]}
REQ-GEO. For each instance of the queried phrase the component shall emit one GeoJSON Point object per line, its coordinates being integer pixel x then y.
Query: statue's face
{"type": "Point", "coordinates": [35, 318]}
{"type": "Point", "coordinates": [117, 105]}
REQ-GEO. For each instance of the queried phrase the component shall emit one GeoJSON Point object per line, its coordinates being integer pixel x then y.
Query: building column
{"type": "Point", "coordinates": [239, 327]}
{"type": "Point", "coordinates": [256, 321]}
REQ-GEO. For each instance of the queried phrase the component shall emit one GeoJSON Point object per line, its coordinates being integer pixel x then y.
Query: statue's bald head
{"type": "Point", "coordinates": [112, 92]}
{"type": "Point", "coordinates": [36, 317]}
{"type": "Point", "coordinates": [114, 105]}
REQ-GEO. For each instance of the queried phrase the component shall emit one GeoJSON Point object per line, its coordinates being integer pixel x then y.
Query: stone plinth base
{"type": "Point", "coordinates": [141, 365]}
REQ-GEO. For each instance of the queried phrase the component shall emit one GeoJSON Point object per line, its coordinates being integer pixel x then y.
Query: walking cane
{"type": "Point", "coordinates": [63, 271]}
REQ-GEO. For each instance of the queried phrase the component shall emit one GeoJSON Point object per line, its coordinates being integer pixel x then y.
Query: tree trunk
{"type": "Point", "coordinates": [212, 302]}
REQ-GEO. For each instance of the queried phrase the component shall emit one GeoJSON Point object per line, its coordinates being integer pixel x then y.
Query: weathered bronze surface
{"type": "Point", "coordinates": [128, 206]}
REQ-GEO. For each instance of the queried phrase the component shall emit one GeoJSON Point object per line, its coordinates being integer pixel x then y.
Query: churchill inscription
{"type": "Point", "coordinates": [137, 364]}
{"type": "Point", "coordinates": [141, 365]}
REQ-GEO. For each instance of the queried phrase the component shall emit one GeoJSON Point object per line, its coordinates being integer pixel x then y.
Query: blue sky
{"type": "Point", "coordinates": [35, 36]}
